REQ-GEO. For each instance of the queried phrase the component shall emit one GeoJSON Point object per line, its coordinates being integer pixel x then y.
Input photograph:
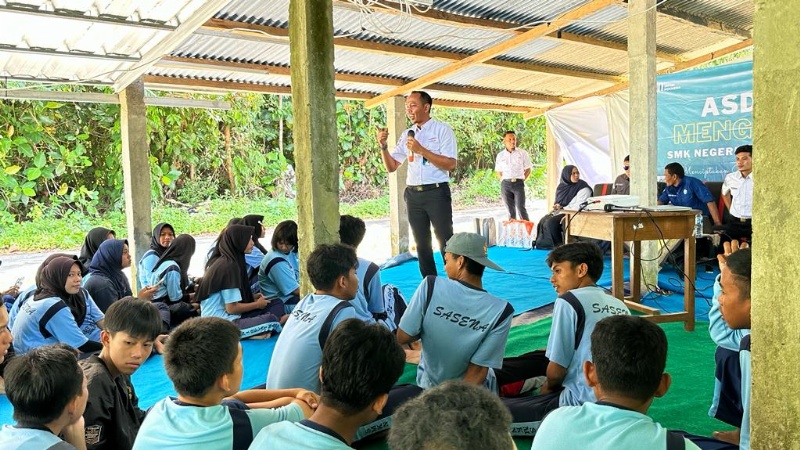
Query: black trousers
{"type": "Point", "coordinates": [426, 208]}
{"type": "Point", "coordinates": [513, 193]}
{"type": "Point", "coordinates": [729, 374]}
{"type": "Point", "coordinates": [736, 229]}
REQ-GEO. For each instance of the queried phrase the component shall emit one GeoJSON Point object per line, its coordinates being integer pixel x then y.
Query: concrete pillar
{"type": "Point", "coordinates": [643, 125]}
{"type": "Point", "coordinates": [398, 213]}
{"type": "Point", "coordinates": [136, 171]}
{"type": "Point", "coordinates": [315, 139]}
{"type": "Point", "coordinates": [775, 308]}
{"type": "Point", "coordinates": [554, 165]}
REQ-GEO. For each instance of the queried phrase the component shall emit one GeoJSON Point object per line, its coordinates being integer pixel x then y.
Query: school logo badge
{"type": "Point", "coordinates": [92, 434]}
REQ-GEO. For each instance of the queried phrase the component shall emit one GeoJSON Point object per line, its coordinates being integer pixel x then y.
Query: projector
{"type": "Point", "coordinates": [623, 201]}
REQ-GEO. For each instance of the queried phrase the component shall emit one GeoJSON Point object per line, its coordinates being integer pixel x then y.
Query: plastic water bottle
{"type": "Point", "coordinates": [698, 225]}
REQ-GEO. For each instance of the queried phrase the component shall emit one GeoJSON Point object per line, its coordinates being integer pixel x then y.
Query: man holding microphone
{"type": "Point", "coordinates": [430, 148]}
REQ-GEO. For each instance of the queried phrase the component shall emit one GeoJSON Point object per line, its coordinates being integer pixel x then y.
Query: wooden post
{"type": "Point", "coordinates": [315, 138]}
{"type": "Point", "coordinates": [136, 171]}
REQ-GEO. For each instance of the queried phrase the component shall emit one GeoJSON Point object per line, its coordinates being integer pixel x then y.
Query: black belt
{"type": "Point", "coordinates": [427, 187]}
{"type": "Point", "coordinates": [513, 180]}
{"type": "Point", "coordinates": [739, 219]}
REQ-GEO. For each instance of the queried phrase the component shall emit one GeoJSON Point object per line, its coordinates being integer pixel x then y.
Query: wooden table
{"type": "Point", "coordinates": [636, 226]}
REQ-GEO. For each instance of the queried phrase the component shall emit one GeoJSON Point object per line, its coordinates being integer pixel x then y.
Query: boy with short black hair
{"type": "Point", "coordinates": [580, 304]}
{"type": "Point", "coordinates": [298, 352]}
{"type": "Point", "coordinates": [453, 415]}
{"type": "Point", "coordinates": [626, 372]}
{"type": "Point", "coordinates": [360, 363]}
{"type": "Point", "coordinates": [48, 391]}
{"type": "Point", "coordinates": [112, 416]}
{"type": "Point", "coordinates": [203, 358]}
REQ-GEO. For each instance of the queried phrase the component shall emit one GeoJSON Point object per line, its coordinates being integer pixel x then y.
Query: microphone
{"type": "Point", "coordinates": [410, 133]}
{"type": "Point", "coordinates": [583, 205]}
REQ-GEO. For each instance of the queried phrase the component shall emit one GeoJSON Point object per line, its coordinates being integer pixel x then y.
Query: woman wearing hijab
{"type": "Point", "coordinates": [225, 291]}
{"type": "Point", "coordinates": [91, 243]}
{"type": "Point", "coordinates": [571, 192]}
{"type": "Point", "coordinates": [105, 281]}
{"type": "Point", "coordinates": [163, 235]}
{"type": "Point", "coordinates": [60, 311]}
{"type": "Point", "coordinates": [254, 258]}
{"type": "Point", "coordinates": [278, 278]}
{"type": "Point", "coordinates": [171, 280]}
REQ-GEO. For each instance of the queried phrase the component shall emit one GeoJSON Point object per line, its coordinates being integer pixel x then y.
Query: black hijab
{"type": "Point", "coordinates": [107, 262]}
{"type": "Point", "coordinates": [52, 281]}
{"type": "Point", "coordinates": [567, 190]}
{"type": "Point", "coordinates": [155, 241]}
{"type": "Point", "coordinates": [229, 270]}
{"type": "Point", "coordinates": [91, 243]}
{"type": "Point", "coordinates": [255, 221]}
{"type": "Point", "coordinates": [213, 252]}
{"type": "Point", "coordinates": [180, 251]}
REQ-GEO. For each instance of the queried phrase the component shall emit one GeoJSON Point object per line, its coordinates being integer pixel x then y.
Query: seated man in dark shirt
{"type": "Point", "coordinates": [688, 191]}
{"type": "Point", "coordinates": [622, 185]}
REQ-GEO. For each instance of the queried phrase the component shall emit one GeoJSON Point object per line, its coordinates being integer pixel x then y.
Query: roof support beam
{"type": "Point", "coordinates": [496, 50]}
{"type": "Point", "coordinates": [96, 97]}
{"type": "Point", "coordinates": [194, 85]}
{"type": "Point", "coordinates": [667, 10]}
{"type": "Point", "coordinates": [268, 33]}
{"type": "Point", "coordinates": [210, 64]}
{"type": "Point", "coordinates": [676, 68]}
{"type": "Point", "coordinates": [60, 53]}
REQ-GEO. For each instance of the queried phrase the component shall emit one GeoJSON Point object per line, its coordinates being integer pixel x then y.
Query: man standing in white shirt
{"type": "Point", "coordinates": [737, 193]}
{"type": "Point", "coordinates": [430, 148]}
{"type": "Point", "coordinates": [513, 166]}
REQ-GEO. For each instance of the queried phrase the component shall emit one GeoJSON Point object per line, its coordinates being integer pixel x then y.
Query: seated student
{"type": "Point", "coordinates": [224, 291]}
{"type": "Point", "coordinates": [29, 291]}
{"type": "Point", "coordinates": [60, 311]}
{"type": "Point", "coordinates": [462, 327]}
{"type": "Point", "coordinates": [5, 343]}
{"type": "Point", "coordinates": [47, 389]}
{"type": "Point", "coordinates": [298, 352]}
{"type": "Point", "coordinates": [163, 235]}
{"type": "Point", "coordinates": [91, 243]}
{"type": "Point", "coordinates": [369, 302]}
{"type": "Point", "coordinates": [278, 273]}
{"type": "Point", "coordinates": [112, 416]}
{"type": "Point", "coordinates": [570, 193]}
{"type": "Point", "coordinates": [213, 250]}
{"type": "Point", "coordinates": [174, 288]}
{"type": "Point", "coordinates": [727, 401]}
{"type": "Point", "coordinates": [254, 258]}
{"type": "Point", "coordinates": [579, 306]}
{"type": "Point", "coordinates": [203, 358]}
{"type": "Point", "coordinates": [105, 281]}
{"type": "Point", "coordinates": [626, 371]}
{"type": "Point", "coordinates": [453, 415]}
{"type": "Point", "coordinates": [622, 185]}
{"type": "Point", "coordinates": [688, 191]}
{"type": "Point", "coordinates": [360, 363]}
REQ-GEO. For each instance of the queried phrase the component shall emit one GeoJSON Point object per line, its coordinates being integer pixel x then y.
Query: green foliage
{"type": "Point", "coordinates": [482, 187]}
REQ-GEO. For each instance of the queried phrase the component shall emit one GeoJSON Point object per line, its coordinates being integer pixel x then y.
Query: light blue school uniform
{"type": "Point", "coordinates": [144, 270]}
{"type": "Point", "coordinates": [369, 298]}
{"type": "Point", "coordinates": [276, 275]}
{"type": "Point", "coordinates": [12, 438]}
{"type": "Point", "coordinates": [214, 306]}
{"type": "Point", "coordinates": [461, 324]}
{"type": "Point", "coordinates": [55, 317]}
{"type": "Point", "coordinates": [23, 296]}
{"type": "Point", "coordinates": [172, 425]}
{"type": "Point", "coordinates": [569, 344]}
{"type": "Point", "coordinates": [720, 332]}
{"type": "Point", "coordinates": [298, 352]}
{"type": "Point", "coordinates": [601, 426]}
{"type": "Point", "coordinates": [170, 272]}
{"type": "Point", "coordinates": [303, 435]}
{"type": "Point", "coordinates": [747, 380]}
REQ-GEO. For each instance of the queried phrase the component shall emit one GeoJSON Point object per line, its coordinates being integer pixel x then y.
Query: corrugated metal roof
{"type": "Point", "coordinates": [382, 45]}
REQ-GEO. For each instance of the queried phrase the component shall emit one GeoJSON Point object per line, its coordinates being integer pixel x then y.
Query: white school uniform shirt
{"type": "Point", "coordinates": [513, 164]}
{"type": "Point", "coordinates": [435, 136]}
{"type": "Point", "coordinates": [741, 189]}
